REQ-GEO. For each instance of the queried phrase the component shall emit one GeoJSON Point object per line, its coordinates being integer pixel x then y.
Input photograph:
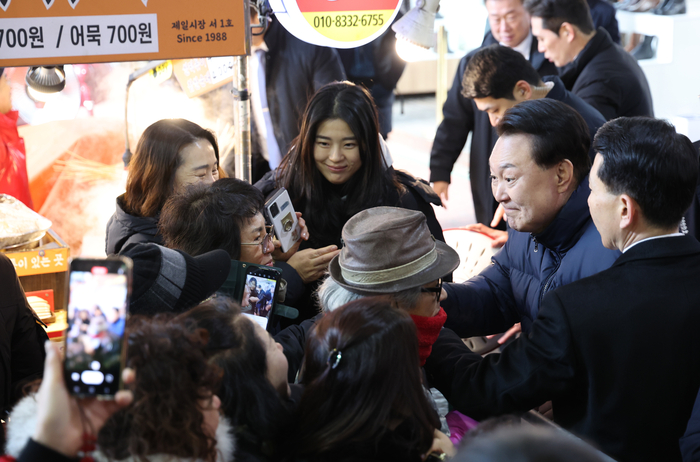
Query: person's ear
{"type": "Point", "coordinates": [565, 175]}
{"type": "Point", "coordinates": [567, 32]}
{"type": "Point", "coordinates": [522, 91]}
{"type": "Point", "coordinates": [628, 211]}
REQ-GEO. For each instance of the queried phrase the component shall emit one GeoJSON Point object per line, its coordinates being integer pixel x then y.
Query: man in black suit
{"type": "Point", "coordinates": [591, 65]}
{"type": "Point", "coordinates": [617, 352]}
{"type": "Point", "coordinates": [510, 26]}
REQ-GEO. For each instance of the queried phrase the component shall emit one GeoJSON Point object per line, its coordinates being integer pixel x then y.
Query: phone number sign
{"type": "Point", "coordinates": [338, 23]}
{"type": "Point", "coordinates": [88, 31]}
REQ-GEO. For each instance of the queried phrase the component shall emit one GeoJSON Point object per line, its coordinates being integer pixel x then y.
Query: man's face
{"type": "Point", "coordinates": [528, 193]}
{"type": "Point", "coordinates": [495, 108]}
{"type": "Point", "coordinates": [555, 47]}
{"type": "Point", "coordinates": [604, 207]}
{"type": "Point", "coordinates": [509, 21]}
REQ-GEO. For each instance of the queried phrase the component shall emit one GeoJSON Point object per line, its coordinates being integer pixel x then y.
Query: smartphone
{"type": "Point", "coordinates": [280, 213]}
{"type": "Point", "coordinates": [260, 290]}
{"type": "Point", "coordinates": [98, 302]}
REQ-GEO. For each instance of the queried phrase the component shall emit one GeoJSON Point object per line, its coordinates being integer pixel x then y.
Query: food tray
{"type": "Point", "coordinates": [19, 224]}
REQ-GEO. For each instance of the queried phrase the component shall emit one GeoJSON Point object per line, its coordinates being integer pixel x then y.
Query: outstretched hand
{"type": "Point", "coordinates": [499, 238]}
{"type": "Point", "coordinates": [440, 188]}
{"type": "Point", "coordinates": [63, 420]}
{"type": "Point", "coordinates": [311, 264]}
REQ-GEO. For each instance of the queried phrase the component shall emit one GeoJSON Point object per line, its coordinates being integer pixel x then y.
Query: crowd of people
{"type": "Point", "coordinates": [365, 328]}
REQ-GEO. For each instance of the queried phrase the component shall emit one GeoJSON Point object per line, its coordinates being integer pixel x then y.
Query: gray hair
{"type": "Point", "coordinates": [331, 295]}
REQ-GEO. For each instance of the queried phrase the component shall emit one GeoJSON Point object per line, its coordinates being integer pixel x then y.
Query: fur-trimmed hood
{"type": "Point", "coordinates": [23, 422]}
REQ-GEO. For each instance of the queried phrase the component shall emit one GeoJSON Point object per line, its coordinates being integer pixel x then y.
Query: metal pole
{"type": "Point", "coordinates": [243, 152]}
{"type": "Point", "coordinates": [441, 87]}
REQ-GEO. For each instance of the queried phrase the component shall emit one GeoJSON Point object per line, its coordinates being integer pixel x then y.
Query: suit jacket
{"type": "Point", "coordinates": [605, 76]}
{"type": "Point", "coordinates": [617, 353]}
{"type": "Point", "coordinates": [461, 116]}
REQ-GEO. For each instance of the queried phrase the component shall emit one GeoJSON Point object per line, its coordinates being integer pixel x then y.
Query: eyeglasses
{"type": "Point", "coordinates": [437, 290]}
{"type": "Point", "coordinates": [266, 243]}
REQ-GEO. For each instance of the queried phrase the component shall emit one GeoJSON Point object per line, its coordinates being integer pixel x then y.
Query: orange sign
{"type": "Point", "coordinates": [87, 31]}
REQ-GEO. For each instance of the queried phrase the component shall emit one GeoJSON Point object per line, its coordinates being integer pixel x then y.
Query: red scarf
{"type": "Point", "coordinates": [428, 331]}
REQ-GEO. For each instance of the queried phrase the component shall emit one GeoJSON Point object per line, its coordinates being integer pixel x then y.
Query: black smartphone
{"type": "Point", "coordinates": [98, 302]}
{"type": "Point", "coordinates": [260, 290]}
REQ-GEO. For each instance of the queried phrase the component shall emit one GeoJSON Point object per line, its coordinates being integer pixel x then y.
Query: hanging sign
{"type": "Point", "coordinates": [336, 23]}
{"type": "Point", "coordinates": [87, 31]}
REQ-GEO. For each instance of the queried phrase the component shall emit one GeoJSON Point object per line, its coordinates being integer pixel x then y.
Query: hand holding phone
{"type": "Point", "coordinates": [63, 421]}
{"type": "Point", "coordinates": [97, 309]}
{"type": "Point", "coordinates": [280, 213]}
{"type": "Point", "coordinates": [278, 255]}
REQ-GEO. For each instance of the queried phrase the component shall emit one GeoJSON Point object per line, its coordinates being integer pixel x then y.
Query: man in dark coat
{"type": "Point", "coordinates": [539, 170]}
{"type": "Point", "coordinates": [294, 71]}
{"type": "Point", "coordinates": [589, 350]}
{"type": "Point", "coordinates": [591, 65]}
{"type": "Point", "coordinates": [510, 26]}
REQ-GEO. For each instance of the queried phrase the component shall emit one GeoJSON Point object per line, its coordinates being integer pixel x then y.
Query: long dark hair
{"type": "Point", "coordinates": [155, 161]}
{"type": "Point", "coordinates": [361, 377]}
{"type": "Point", "coordinates": [172, 376]}
{"type": "Point", "coordinates": [248, 399]}
{"type": "Point", "coordinates": [374, 184]}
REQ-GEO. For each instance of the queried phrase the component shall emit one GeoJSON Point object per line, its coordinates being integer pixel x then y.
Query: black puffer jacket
{"type": "Point", "coordinates": [124, 229]}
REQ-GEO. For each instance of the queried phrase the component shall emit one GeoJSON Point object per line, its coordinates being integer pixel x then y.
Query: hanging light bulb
{"type": "Point", "coordinates": [415, 30]}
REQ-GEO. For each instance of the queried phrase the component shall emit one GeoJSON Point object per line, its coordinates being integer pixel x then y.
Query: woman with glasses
{"type": "Point", "coordinates": [228, 215]}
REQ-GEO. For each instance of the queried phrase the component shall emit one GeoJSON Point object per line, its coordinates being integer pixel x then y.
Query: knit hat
{"type": "Point", "coordinates": [167, 280]}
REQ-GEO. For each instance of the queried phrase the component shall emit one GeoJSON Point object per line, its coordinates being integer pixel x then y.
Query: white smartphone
{"type": "Point", "coordinates": [280, 213]}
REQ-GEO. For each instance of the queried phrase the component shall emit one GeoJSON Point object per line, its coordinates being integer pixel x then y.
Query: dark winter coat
{"type": "Point", "coordinates": [617, 353]}
{"type": "Point", "coordinates": [525, 269]}
{"type": "Point", "coordinates": [603, 15]}
{"type": "Point", "coordinates": [608, 78]}
{"type": "Point", "coordinates": [594, 119]}
{"type": "Point", "coordinates": [124, 229]}
{"type": "Point", "coordinates": [461, 116]}
{"type": "Point", "coordinates": [22, 337]}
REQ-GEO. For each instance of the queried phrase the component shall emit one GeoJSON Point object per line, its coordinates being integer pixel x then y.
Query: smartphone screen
{"type": "Point", "coordinates": [97, 310]}
{"type": "Point", "coordinates": [259, 291]}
